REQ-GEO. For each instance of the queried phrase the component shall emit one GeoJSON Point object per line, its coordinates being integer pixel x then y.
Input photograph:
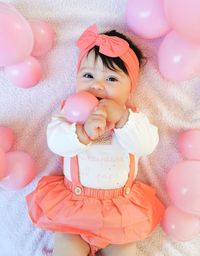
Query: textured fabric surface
{"type": "Point", "coordinates": [170, 106]}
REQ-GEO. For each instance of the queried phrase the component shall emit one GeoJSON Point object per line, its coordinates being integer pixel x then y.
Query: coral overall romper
{"type": "Point", "coordinates": [100, 216]}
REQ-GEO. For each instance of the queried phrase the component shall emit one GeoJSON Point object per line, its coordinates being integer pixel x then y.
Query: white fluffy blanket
{"type": "Point", "coordinates": [171, 106]}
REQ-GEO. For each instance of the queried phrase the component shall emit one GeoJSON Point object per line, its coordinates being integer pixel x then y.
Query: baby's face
{"type": "Point", "coordinates": [102, 82]}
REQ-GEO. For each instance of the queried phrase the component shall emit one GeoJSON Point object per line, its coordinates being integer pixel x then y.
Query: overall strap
{"type": "Point", "coordinates": [74, 169]}
{"type": "Point", "coordinates": [127, 187]}
{"type": "Point", "coordinates": [132, 173]}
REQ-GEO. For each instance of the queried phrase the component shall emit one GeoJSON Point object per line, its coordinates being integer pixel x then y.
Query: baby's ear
{"type": "Point", "coordinates": [130, 104]}
{"type": "Point", "coordinates": [129, 101]}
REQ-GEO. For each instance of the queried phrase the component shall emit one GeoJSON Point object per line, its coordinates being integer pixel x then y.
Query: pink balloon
{"type": "Point", "coordinates": [179, 225]}
{"type": "Point", "coordinates": [178, 59]}
{"type": "Point", "coordinates": [7, 138]}
{"type": "Point", "coordinates": [16, 37]}
{"type": "Point", "coordinates": [78, 107]}
{"type": "Point", "coordinates": [146, 18]}
{"type": "Point", "coordinates": [26, 74]}
{"type": "Point", "coordinates": [20, 170]}
{"type": "Point", "coordinates": [189, 144]}
{"type": "Point", "coordinates": [184, 17]}
{"type": "Point", "coordinates": [183, 186]}
{"type": "Point", "coordinates": [2, 163]}
{"type": "Point", "coordinates": [43, 37]}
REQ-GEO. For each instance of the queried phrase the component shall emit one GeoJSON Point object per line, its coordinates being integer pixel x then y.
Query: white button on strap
{"type": "Point", "coordinates": [78, 190]}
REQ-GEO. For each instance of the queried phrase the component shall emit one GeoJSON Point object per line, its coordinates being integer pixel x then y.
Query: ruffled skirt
{"type": "Point", "coordinates": [100, 217]}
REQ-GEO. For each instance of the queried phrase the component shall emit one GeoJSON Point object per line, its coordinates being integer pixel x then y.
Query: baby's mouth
{"type": "Point", "coordinates": [99, 98]}
{"type": "Point", "coordinates": [97, 94]}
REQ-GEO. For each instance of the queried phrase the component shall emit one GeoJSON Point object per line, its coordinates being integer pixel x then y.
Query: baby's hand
{"type": "Point", "coordinates": [95, 125]}
{"type": "Point", "coordinates": [114, 110]}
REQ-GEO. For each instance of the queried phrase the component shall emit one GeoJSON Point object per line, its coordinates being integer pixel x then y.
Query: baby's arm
{"type": "Point", "coordinates": [138, 136]}
{"type": "Point", "coordinates": [117, 115]}
{"type": "Point", "coordinates": [82, 135]}
{"type": "Point", "coordinates": [133, 130]}
{"type": "Point", "coordinates": [66, 139]}
{"type": "Point", "coordinates": [95, 125]}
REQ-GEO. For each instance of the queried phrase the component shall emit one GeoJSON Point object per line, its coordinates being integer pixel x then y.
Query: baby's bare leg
{"type": "Point", "coordinates": [119, 250]}
{"type": "Point", "coordinates": [70, 245]}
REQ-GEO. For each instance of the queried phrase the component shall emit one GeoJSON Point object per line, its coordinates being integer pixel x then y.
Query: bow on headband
{"type": "Point", "coordinates": [111, 46]}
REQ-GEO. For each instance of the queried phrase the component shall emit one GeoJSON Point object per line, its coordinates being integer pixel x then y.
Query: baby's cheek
{"type": "Point", "coordinates": [122, 97]}
{"type": "Point", "coordinates": [118, 99]}
{"type": "Point", "coordinates": [81, 86]}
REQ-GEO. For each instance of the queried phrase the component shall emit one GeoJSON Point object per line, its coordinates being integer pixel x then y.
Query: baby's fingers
{"type": "Point", "coordinates": [95, 126]}
{"type": "Point", "coordinates": [101, 111]}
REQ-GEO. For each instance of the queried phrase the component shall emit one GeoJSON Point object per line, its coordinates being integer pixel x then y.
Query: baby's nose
{"type": "Point", "coordinates": [98, 85]}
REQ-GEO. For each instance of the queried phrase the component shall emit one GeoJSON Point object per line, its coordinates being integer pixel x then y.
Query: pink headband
{"type": "Point", "coordinates": [111, 46]}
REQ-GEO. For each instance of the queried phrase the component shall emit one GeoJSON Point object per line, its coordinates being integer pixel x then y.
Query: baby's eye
{"type": "Point", "coordinates": [88, 75]}
{"type": "Point", "coordinates": [112, 79]}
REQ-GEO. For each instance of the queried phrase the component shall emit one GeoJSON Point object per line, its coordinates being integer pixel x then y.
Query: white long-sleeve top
{"type": "Point", "coordinates": [103, 164]}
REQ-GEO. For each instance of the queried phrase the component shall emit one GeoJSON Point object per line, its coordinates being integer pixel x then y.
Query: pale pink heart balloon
{"type": "Point", "coordinates": [189, 144]}
{"type": "Point", "coordinates": [180, 225]}
{"type": "Point", "coordinates": [16, 37]}
{"type": "Point", "coordinates": [43, 37]}
{"type": "Point", "coordinates": [178, 59]}
{"type": "Point", "coordinates": [20, 170]}
{"type": "Point", "coordinates": [184, 17]}
{"type": "Point", "coordinates": [7, 138]}
{"type": "Point", "coordinates": [79, 106]}
{"type": "Point", "coordinates": [26, 74]}
{"type": "Point", "coordinates": [146, 18]}
{"type": "Point", "coordinates": [2, 163]}
{"type": "Point", "coordinates": [183, 186]}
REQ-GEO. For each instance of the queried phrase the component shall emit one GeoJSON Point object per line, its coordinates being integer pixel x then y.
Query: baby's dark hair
{"type": "Point", "coordinates": [112, 62]}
